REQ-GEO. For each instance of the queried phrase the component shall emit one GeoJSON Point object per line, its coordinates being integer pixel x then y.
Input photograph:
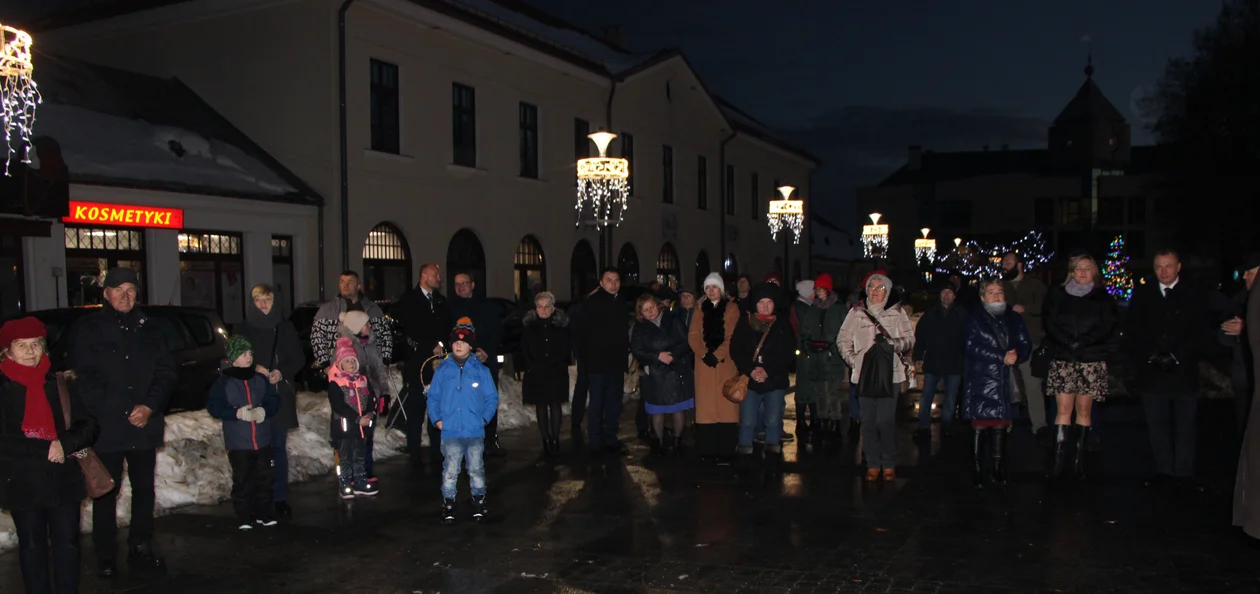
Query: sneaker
{"type": "Point", "coordinates": [448, 511]}
{"type": "Point", "coordinates": [785, 437]}
{"type": "Point", "coordinates": [479, 508]}
{"type": "Point", "coordinates": [245, 526]}
{"type": "Point", "coordinates": [268, 522]}
{"type": "Point", "coordinates": [367, 489]}
{"type": "Point", "coordinates": [347, 493]}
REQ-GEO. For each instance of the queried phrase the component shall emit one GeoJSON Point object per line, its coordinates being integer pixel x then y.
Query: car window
{"type": "Point", "coordinates": [202, 330]}
{"type": "Point", "coordinates": [173, 333]}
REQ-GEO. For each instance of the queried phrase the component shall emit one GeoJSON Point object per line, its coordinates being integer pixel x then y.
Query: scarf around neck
{"type": "Point", "coordinates": [1076, 289]}
{"type": "Point", "coordinates": [265, 321]}
{"type": "Point", "coordinates": [37, 421]}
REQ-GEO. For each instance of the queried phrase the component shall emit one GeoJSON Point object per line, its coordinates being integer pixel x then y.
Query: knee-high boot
{"type": "Point", "coordinates": [999, 451]}
{"type": "Point", "coordinates": [1059, 456]}
{"type": "Point", "coordinates": [1082, 446]}
{"type": "Point", "coordinates": [977, 457]}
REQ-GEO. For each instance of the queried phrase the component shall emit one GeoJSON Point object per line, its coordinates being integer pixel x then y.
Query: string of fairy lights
{"type": "Point", "coordinates": [19, 95]}
{"type": "Point", "coordinates": [977, 260]}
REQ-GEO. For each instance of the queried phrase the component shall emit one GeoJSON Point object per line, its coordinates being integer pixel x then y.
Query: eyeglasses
{"type": "Point", "coordinates": [464, 284]}
{"type": "Point", "coordinates": [876, 289]}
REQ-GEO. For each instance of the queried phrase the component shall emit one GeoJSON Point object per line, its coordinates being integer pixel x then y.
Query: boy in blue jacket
{"type": "Point", "coordinates": [245, 400]}
{"type": "Point", "coordinates": [462, 400]}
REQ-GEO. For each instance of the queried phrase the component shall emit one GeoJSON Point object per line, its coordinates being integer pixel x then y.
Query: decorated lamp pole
{"type": "Point", "coordinates": [603, 189]}
{"type": "Point", "coordinates": [20, 94]}
{"type": "Point", "coordinates": [875, 238]}
{"type": "Point", "coordinates": [786, 215]}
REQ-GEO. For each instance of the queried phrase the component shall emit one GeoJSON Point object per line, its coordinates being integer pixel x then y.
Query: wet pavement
{"type": "Point", "coordinates": [642, 524]}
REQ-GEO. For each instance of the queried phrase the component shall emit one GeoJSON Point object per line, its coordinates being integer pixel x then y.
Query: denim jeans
{"type": "Point", "coordinates": [460, 449]}
{"type": "Point", "coordinates": [604, 410]}
{"type": "Point", "coordinates": [35, 528]}
{"type": "Point", "coordinates": [761, 410]}
{"type": "Point", "coordinates": [930, 382]}
{"type": "Point", "coordinates": [280, 454]}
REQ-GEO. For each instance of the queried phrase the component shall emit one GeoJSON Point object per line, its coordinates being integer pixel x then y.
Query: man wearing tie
{"type": "Point", "coordinates": [426, 321]}
{"type": "Point", "coordinates": [1167, 331]}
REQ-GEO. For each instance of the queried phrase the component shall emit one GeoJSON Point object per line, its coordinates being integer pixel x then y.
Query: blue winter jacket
{"type": "Point", "coordinates": [228, 394]}
{"type": "Point", "coordinates": [989, 380]}
{"type": "Point", "coordinates": [462, 398]}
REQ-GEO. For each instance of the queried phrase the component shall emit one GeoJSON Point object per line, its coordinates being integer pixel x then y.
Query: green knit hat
{"type": "Point", "coordinates": [236, 346]}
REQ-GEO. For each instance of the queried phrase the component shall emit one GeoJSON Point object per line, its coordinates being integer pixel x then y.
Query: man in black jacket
{"type": "Point", "coordinates": [125, 374]}
{"type": "Point", "coordinates": [938, 351]}
{"type": "Point", "coordinates": [605, 342]}
{"type": "Point", "coordinates": [485, 318]}
{"type": "Point", "coordinates": [426, 321]}
{"type": "Point", "coordinates": [1167, 330]}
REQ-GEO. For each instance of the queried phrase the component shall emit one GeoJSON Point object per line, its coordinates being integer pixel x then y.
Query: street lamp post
{"type": "Point", "coordinates": [786, 215]}
{"type": "Point", "coordinates": [925, 249]}
{"type": "Point", "coordinates": [19, 95]}
{"type": "Point", "coordinates": [875, 238]}
{"type": "Point", "coordinates": [603, 190]}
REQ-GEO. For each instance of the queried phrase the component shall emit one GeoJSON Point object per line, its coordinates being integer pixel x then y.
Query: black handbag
{"type": "Point", "coordinates": [876, 377]}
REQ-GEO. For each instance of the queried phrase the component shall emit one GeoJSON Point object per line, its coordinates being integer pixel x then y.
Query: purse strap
{"type": "Point", "coordinates": [63, 393]}
{"type": "Point", "coordinates": [757, 352]}
{"type": "Point", "coordinates": [884, 331]}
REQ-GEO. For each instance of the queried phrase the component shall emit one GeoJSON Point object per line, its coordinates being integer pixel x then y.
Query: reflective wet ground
{"type": "Point", "coordinates": [640, 524]}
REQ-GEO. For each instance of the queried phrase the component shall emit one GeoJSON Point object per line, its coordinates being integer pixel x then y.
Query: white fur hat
{"type": "Point", "coordinates": [714, 279]}
{"type": "Point", "coordinates": [805, 289]}
{"type": "Point", "coordinates": [354, 321]}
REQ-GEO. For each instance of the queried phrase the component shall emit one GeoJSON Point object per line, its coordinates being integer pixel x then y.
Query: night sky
{"type": "Point", "coordinates": [856, 82]}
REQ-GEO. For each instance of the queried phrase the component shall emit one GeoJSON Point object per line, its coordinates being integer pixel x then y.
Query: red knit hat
{"type": "Point", "coordinates": [773, 277]}
{"type": "Point", "coordinates": [824, 282]}
{"type": "Point", "coordinates": [20, 329]}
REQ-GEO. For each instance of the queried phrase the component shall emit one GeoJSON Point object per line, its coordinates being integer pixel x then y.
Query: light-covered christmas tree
{"type": "Point", "coordinates": [1116, 271]}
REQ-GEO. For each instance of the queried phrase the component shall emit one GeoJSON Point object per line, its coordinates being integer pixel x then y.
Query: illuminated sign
{"type": "Point", "coordinates": [125, 215]}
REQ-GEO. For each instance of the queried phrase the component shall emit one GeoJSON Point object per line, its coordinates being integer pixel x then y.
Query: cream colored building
{"type": "Point", "coordinates": [468, 84]}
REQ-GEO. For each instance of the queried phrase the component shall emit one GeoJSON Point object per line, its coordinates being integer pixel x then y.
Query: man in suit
{"type": "Point", "coordinates": [426, 321]}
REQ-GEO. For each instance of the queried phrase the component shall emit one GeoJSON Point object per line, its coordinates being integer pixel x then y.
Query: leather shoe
{"type": "Point", "coordinates": [107, 569]}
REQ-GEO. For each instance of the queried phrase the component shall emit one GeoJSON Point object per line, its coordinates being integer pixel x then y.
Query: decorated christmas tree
{"type": "Point", "coordinates": [1116, 272]}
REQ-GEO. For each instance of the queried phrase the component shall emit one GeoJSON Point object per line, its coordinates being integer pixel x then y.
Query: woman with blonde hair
{"type": "Point", "coordinates": [659, 342]}
{"type": "Point", "coordinates": [1081, 332]}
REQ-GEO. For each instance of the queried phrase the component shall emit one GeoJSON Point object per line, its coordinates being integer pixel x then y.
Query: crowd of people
{"type": "Point", "coordinates": [723, 360]}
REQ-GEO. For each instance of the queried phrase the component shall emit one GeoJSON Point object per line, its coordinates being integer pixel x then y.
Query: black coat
{"type": "Point", "coordinates": [1081, 329]}
{"type": "Point", "coordinates": [276, 346]}
{"type": "Point", "coordinates": [990, 382]}
{"type": "Point", "coordinates": [425, 325]}
{"type": "Point", "coordinates": [30, 480]}
{"type": "Point", "coordinates": [662, 384]}
{"type": "Point", "coordinates": [776, 353]}
{"type": "Point", "coordinates": [121, 361]}
{"type": "Point", "coordinates": [485, 318]}
{"type": "Point", "coordinates": [546, 349]}
{"type": "Point", "coordinates": [1180, 324]}
{"type": "Point", "coordinates": [603, 334]}
{"type": "Point", "coordinates": [938, 340]}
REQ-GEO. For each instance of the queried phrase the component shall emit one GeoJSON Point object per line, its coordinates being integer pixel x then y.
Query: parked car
{"type": "Point", "coordinates": [196, 338]}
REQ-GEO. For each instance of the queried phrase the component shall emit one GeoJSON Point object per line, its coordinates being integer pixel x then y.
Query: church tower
{"type": "Point", "coordinates": [1090, 132]}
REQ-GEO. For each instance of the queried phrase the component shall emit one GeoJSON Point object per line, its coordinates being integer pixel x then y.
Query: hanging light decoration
{"type": "Point", "coordinates": [925, 248]}
{"type": "Point", "coordinates": [786, 214]}
{"type": "Point", "coordinates": [874, 238]}
{"type": "Point", "coordinates": [602, 186]}
{"type": "Point", "coordinates": [20, 94]}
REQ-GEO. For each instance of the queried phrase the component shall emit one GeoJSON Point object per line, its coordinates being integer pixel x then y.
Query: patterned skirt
{"type": "Point", "coordinates": [1081, 379]}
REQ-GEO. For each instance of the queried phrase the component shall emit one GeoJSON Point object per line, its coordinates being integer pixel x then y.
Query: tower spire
{"type": "Point", "coordinates": [1089, 66]}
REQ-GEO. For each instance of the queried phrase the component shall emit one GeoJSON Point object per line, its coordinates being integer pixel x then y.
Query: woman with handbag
{"type": "Point", "coordinates": [717, 418]}
{"type": "Point", "coordinates": [762, 348]}
{"type": "Point", "coordinates": [875, 340]}
{"type": "Point", "coordinates": [43, 484]}
{"type": "Point", "coordinates": [996, 342]}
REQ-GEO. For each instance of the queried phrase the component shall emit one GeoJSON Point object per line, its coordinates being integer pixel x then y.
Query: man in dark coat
{"type": "Point", "coordinates": [938, 351]}
{"type": "Point", "coordinates": [1027, 297]}
{"type": "Point", "coordinates": [604, 339]}
{"type": "Point", "coordinates": [126, 376]}
{"type": "Point", "coordinates": [1166, 333]}
{"type": "Point", "coordinates": [426, 320]}
{"type": "Point", "coordinates": [485, 318]}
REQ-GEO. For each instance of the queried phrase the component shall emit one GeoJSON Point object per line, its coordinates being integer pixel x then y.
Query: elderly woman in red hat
{"type": "Point", "coordinates": [43, 486]}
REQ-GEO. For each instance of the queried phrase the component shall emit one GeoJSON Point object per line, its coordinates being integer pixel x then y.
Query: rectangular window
{"type": "Point", "coordinates": [627, 153]}
{"type": "Point", "coordinates": [730, 190]}
{"type": "Point", "coordinates": [1043, 213]}
{"type": "Point", "coordinates": [1073, 211]}
{"type": "Point", "coordinates": [1137, 210]}
{"type": "Point", "coordinates": [754, 197]}
{"type": "Point", "coordinates": [1111, 211]}
{"type": "Point", "coordinates": [528, 116]}
{"type": "Point", "coordinates": [464, 124]}
{"type": "Point", "coordinates": [384, 100]}
{"type": "Point", "coordinates": [667, 174]}
{"type": "Point", "coordinates": [702, 183]}
{"type": "Point", "coordinates": [581, 144]}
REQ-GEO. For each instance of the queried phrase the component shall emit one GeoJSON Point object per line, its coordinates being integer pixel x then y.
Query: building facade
{"type": "Point", "coordinates": [463, 122]}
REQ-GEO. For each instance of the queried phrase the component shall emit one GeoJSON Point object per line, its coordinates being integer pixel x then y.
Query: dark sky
{"type": "Point", "coordinates": [857, 81]}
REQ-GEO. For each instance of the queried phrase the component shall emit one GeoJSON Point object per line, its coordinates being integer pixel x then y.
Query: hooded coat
{"type": "Point", "coordinates": [276, 345]}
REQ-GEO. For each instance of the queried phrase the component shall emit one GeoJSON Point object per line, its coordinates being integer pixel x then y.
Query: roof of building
{"type": "Point", "coordinates": [118, 128]}
{"type": "Point", "coordinates": [953, 166]}
{"type": "Point", "coordinates": [747, 124]}
{"type": "Point", "coordinates": [1089, 104]}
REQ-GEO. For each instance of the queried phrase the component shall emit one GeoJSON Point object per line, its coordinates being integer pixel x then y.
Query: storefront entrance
{"type": "Point", "coordinates": [91, 252]}
{"type": "Point", "coordinates": [212, 273]}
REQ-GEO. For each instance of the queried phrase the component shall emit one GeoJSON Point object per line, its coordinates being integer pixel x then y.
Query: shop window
{"type": "Point", "coordinates": [282, 273]}
{"type": "Point", "coordinates": [212, 273]}
{"type": "Point", "coordinates": [530, 271]}
{"type": "Point", "coordinates": [628, 265]}
{"type": "Point", "coordinates": [386, 263]}
{"type": "Point", "coordinates": [91, 252]}
{"type": "Point", "coordinates": [668, 272]}
{"type": "Point", "coordinates": [209, 243]}
{"type": "Point", "coordinates": [583, 270]}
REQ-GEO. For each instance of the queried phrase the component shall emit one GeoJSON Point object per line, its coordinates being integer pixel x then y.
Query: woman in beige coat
{"type": "Point", "coordinates": [857, 336]}
{"type": "Point", "coordinates": [717, 419]}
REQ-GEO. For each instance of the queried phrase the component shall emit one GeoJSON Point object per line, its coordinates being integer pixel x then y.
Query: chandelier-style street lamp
{"type": "Point", "coordinates": [925, 248]}
{"type": "Point", "coordinates": [18, 91]}
{"type": "Point", "coordinates": [786, 214]}
{"type": "Point", "coordinates": [874, 238]}
{"type": "Point", "coordinates": [603, 186]}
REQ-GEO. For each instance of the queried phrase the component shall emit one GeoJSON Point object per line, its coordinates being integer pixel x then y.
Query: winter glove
{"type": "Point", "coordinates": [245, 413]}
{"type": "Point", "coordinates": [710, 360]}
{"type": "Point", "coordinates": [258, 415]}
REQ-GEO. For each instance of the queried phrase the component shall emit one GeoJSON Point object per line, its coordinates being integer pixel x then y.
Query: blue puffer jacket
{"type": "Point", "coordinates": [462, 398]}
{"type": "Point", "coordinates": [228, 393]}
{"type": "Point", "coordinates": [988, 338]}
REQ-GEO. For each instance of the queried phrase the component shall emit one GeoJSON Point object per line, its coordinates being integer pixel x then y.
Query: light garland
{"type": "Point", "coordinates": [1115, 270]}
{"type": "Point", "coordinates": [786, 213]}
{"type": "Point", "coordinates": [975, 260]}
{"type": "Point", "coordinates": [874, 238]}
{"type": "Point", "coordinates": [603, 186]}
{"type": "Point", "coordinates": [924, 249]}
{"type": "Point", "coordinates": [20, 95]}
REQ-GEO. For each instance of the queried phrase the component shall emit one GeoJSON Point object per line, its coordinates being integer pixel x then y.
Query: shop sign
{"type": "Point", "coordinates": [126, 215]}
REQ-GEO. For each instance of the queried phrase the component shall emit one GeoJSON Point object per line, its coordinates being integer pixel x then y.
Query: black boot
{"type": "Point", "coordinates": [669, 445]}
{"type": "Point", "coordinates": [977, 457]}
{"type": "Point", "coordinates": [479, 508]}
{"type": "Point", "coordinates": [657, 448]}
{"type": "Point", "coordinates": [1059, 456]}
{"type": "Point", "coordinates": [1082, 446]}
{"type": "Point", "coordinates": [999, 452]}
{"type": "Point", "coordinates": [448, 511]}
{"type": "Point", "coordinates": [142, 557]}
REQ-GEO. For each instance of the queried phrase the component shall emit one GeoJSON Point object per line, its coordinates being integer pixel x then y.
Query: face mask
{"type": "Point", "coordinates": [1009, 275]}
{"type": "Point", "coordinates": [996, 309]}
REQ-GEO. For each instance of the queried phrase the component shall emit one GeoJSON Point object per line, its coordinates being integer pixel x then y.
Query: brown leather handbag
{"type": "Point", "coordinates": [95, 475]}
{"type": "Point", "coordinates": [736, 388]}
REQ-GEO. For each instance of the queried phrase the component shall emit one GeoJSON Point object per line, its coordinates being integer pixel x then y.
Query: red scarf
{"type": "Point", "coordinates": [38, 421]}
{"type": "Point", "coordinates": [765, 318]}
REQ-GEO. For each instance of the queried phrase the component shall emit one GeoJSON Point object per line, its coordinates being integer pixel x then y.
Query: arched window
{"type": "Point", "coordinates": [730, 265]}
{"type": "Point", "coordinates": [668, 272]}
{"type": "Point", "coordinates": [628, 265]}
{"type": "Point", "coordinates": [464, 254]}
{"type": "Point", "coordinates": [531, 274]}
{"type": "Point", "coordinates": [386, 263]}
{"type": "Point", "coordinates": [702, 268]}
{"type": "Point", "coordinates": [583, 271]}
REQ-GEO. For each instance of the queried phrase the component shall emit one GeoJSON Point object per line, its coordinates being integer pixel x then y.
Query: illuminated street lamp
{"type": "Point", "coordinates": [925, 248]}
{"type": "Point", "coordinates": [602, 186]}
{"type": "Point", "coordinates": [786, 214]}
{"type": "Point", "coordinates": [18, 91]}
{"type": "Point", "coordinates": [874, 238]}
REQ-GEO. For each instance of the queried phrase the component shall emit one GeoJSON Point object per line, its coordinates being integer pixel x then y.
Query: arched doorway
{"type": "Point", "coordinates": [386, 263]}
{"type": "Point", "coordinates": [702, 268]}
{"type": "Point", "coordinates": [464, 254]}
{"type": "Point", "coordinates": [668, 272]}
{"type": "Point", "coordinates": [628, 265]}
{"type": "Point", "coordinates": [528, 269]}
{"type": "Point", "coordinates": [730, 265]}
{"type": "Point", "coordinates": [583, 271]}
